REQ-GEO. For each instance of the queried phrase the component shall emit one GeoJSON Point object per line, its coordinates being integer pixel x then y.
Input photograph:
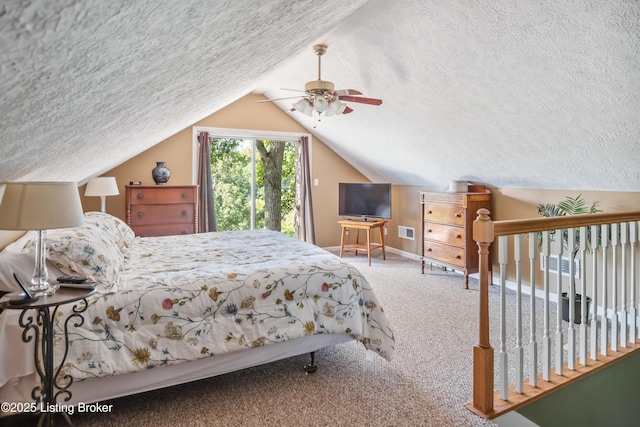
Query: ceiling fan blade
{"type": "Point", "coordinates": [370, 101]}
{"type": "Point", "coordinates": [347, 110]}
{"type": "Point", "coordinates": [343, 92]}
{"type": "Point", "coordinates": [279, 99]}
{"type": "Point", "coordinates": [295, 90]}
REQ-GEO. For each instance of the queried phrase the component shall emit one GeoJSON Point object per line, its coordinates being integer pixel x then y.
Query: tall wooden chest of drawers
{"type": "Point", "coordinates": [162, 210]}
{"type": "Point", "coordinates": [447, 229]}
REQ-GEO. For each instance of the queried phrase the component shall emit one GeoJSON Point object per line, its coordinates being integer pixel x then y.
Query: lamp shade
{"type": "Point", "coordinates": [40, 206]}
{"type": "Point", "coordinates": [102, 186]}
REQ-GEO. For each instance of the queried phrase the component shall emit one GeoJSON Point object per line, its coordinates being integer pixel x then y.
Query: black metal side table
{"type": "Point", "coordinates": [41, 328]}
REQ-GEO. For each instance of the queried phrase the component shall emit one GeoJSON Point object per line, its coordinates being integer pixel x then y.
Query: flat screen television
{"type": "Point", "coordinates": [364, 199]}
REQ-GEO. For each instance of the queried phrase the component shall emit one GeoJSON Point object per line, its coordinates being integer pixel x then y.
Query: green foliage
{"type": "Point", "coordinates": [231, 171]}
{"type": "Point", "coordinates": [569, 206]}
{"type": "Point", "coordinates": [232, 176]}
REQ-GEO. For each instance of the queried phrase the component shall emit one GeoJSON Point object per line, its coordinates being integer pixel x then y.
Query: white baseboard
{"type": "Point", "coordinates": [386, 248]}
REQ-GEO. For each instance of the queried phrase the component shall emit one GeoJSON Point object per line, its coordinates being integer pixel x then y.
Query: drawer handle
{"type": "Point", "coordinates": [458, 236]}
{"type": "Point", "coordinates": [140, 214]}
{"type": "Point", "coordinates": [429, 231]}
{"type": "Point", "coordinates": [429, 250]}
{"type": "Point", "coordinates": [185, 195]}
{"type": "Point", "coordinates": [140, 196]}
{"type": "Point", "coordinates": [458, 256]}
{"type": "Point", "coordinates": [429, 212]}
{"type": "Point", "coordinates": [184, 213]}
{"type": "Point", "coordinates": [458, 215]}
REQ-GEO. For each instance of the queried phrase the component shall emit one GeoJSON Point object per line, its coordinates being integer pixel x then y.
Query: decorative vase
{"type": "Point", "coordinates": [161, 173]}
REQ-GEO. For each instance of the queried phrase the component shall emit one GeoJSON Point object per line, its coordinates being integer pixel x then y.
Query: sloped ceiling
{"type": "Point", "coordinates": [541, 94]}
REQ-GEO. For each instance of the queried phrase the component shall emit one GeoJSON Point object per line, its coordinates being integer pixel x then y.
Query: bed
{"type": "Point", "coordinates": [174, 309]}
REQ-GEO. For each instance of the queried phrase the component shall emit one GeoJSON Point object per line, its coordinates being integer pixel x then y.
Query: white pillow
{"type": "Point", "coordinates": [118, 230]}
{"type": "Point", "coordinates": [13, 259]}
{"type": "Point", "coordinates": [84, 250]}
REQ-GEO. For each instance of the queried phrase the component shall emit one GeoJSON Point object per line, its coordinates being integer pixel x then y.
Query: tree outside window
{"type": "Point", "coordinates": [263, 189]}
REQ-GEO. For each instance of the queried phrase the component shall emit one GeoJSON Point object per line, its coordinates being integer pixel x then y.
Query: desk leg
{"type": "Point", "coordinates": [357, 239]}
{"type": "Point", "coordinates": [342, 239]}
{"type": "Point", "coordinates": [369, 244]}
{"type": "Point", "coordinates": [384, 256]}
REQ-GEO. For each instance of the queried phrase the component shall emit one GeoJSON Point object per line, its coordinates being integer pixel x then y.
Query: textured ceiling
{"type": "Point", "coordinates": [541, 94]}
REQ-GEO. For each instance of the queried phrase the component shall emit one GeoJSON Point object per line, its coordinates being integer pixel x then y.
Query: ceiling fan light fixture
{"type": "Point", "coordinates": [334, 108]}
{"type": "Point", "coordinates": [320, 104]}
{"type": "Point", "coordinates": [303, 106]}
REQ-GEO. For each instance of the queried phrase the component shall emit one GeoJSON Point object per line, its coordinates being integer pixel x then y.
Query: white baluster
{"type": "Point", "coordinates": [503, 356]}
{"type": "Point", "coordinates": [614, 288]}
{"type": "Point", "coordinates": [533, 344]}
{"type": "Point", "coordinates": [604, 320]}
{"type": "Point", "coordinates": [519, 351]}
{"type": "Point", "coordinates": [557, 250]}
{"type": "Point", "coordinates": [633, 240]}
{"type": "Point", "coordinates": [594, 292]}
{"type": "Point", "coordinates": [624, 240]}
{"type": "Point", "coordinates": [546, 339]}
{"type": "Point", "coordinates": [571, 330]}
{"type": "Point", "coordinates": [583, 293]}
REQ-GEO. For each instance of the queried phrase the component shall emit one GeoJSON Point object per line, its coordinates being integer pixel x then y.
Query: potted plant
{"type": "Point", "coordinates": [570, 206]}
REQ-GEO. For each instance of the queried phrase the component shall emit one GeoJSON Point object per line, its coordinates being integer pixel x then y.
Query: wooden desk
{"type": "Point", "coordinates": [357, 246]}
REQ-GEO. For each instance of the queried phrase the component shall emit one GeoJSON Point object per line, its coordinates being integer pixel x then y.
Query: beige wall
{"type": "Point", "coordinates": [508, 203]}
{"type": "Point", "coordinates": [329, 169]}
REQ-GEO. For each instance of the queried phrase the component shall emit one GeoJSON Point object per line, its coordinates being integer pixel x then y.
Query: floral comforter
{"type": "Point", "coordinates": [180, 298]}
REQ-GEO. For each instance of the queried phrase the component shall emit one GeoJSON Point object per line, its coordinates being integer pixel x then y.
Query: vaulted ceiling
{"type": "Point", "coordinates": [542, 94]}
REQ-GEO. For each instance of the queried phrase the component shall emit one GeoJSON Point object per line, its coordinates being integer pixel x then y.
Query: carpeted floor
{"type": "Point", "coordinates": [427, 383]}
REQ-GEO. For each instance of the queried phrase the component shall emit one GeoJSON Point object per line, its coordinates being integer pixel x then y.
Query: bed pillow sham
{"type": "Point", "coordinates": [13, 259]}
{"type": "Point", "coordinates": [115, 228]}
{"type": "Point", "coordinates": [85, 250]}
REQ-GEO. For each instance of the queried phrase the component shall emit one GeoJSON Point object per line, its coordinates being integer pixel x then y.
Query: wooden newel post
{"type": "Point", "coordinates": [483, 352]}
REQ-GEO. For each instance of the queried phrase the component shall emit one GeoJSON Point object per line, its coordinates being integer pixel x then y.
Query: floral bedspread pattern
{"type": "Point", "coordinates": [181, 298]}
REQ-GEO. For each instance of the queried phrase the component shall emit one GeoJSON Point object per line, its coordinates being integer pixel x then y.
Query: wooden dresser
{"type": "Point", "coordinates": [161, 210]}
{"type": "Point", "coordinates": [447, 228]}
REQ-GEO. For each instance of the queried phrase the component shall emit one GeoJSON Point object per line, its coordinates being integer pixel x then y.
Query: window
{"type": "Point", "coordinates": [253, 179]}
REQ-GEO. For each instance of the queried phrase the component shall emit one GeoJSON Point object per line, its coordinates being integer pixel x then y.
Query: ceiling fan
{"type": "Point", "coordinates": [321, 97]}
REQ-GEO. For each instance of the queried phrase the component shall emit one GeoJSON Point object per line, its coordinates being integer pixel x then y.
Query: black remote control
{"type": "Point", "coordinates": [72, 279]}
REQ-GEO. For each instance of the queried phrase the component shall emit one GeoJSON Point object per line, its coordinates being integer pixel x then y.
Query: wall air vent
{"type": "Point", "coordinates": [406, 232]}
{"type": "Point", "coordinates": [553, 265]}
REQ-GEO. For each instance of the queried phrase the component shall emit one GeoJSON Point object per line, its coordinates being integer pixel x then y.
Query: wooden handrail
{"type": "Point", "coordinates": [517, 226]}
{"type": "Point", "coordinates": [483, 352]}
{"type": "Point", "coordinates": [484, 232]}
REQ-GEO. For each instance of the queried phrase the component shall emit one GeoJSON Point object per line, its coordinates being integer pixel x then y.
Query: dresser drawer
{"type": "Point", "coordinates": [163, 230]}
{"type": "Point", "coordinates": [449, 214]}
{"type": "Point", "coordinates": [444, 233]}
{"type": "Point", "coordinates": [162, 195]}
{"type": "Point", "coordinates": [162, 214]}
{"type": "Point", "coordinates": [452, 255]}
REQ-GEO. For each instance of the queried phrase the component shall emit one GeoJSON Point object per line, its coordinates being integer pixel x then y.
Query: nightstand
{"type": "Point", "coordinates": [40, 327]}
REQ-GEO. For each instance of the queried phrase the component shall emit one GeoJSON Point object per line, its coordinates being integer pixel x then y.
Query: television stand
{"type": "Point", "coordinates": [357, 246]}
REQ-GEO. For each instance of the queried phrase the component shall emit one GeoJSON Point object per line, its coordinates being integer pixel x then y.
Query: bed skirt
{"type": "Point", "coordinates": [97, 390]}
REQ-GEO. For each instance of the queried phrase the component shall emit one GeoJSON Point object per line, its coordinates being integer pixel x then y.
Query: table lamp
{"type": "Point", "coordinates": [40, 206]}
{"type": "Point", "coordinates": [102, 186]}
